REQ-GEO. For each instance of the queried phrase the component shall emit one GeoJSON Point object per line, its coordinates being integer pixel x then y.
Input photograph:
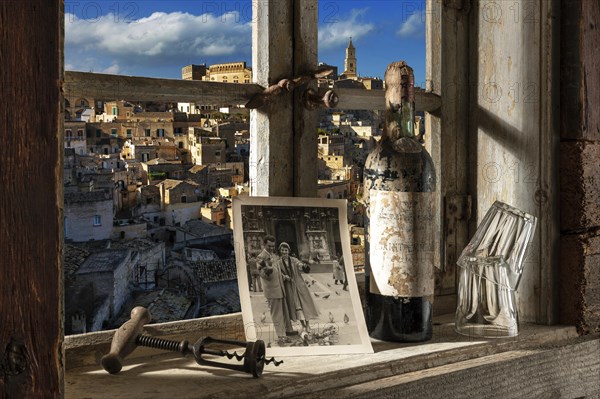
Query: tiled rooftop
{"type": "Point", "coordinates": [104, 261]}
{"type": "Point", "coordinates": [164, 305]}
{"type": "Point", "coordinates": [201, 229]}
{"type": "Point", "coordinates": [86, 196]}
{"type": "Point", "coordinates": [214, 271]}
{"type": "Point", "coordinates": [138, 244]}
{"type": "Point", "coordinates": [75, 255]}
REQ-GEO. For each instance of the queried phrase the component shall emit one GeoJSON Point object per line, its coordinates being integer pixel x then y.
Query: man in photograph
{"type": "Point", "coordinates": [272, 284]}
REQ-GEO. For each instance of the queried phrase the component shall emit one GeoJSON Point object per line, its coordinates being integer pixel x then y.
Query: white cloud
{"type": "Point", "coordinates": [414, 26]}
{"type": "Point", "coordinates": [157, 39]}
{"type": "Point", "coordinates": [336, 34]}
{"type": "Point", "coordinates": [113, 69]}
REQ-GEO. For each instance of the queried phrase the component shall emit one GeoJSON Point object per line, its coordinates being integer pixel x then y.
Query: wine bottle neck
{"type": "Point", "coordinates": [400, 102]}
{"type": "Point", "coordinates": [400, 121]}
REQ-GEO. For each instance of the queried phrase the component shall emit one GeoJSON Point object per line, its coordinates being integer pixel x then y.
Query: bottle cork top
{"type": "Point", "coordinates": [400, 76]}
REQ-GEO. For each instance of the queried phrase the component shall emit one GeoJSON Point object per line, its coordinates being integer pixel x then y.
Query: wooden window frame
{"type": "Point", "coordinates": [42, 302]}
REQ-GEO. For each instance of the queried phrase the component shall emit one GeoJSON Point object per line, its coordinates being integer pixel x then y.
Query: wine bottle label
{"type": "Point", "coordinates": [402, 247]}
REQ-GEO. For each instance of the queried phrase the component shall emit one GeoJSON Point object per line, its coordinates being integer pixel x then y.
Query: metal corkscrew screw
{"type": "Point", "coordinates": [129, 336]}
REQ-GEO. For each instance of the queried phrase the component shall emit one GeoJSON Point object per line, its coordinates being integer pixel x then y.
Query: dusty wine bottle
{"type": "Point", "coordinates": [398, 189]}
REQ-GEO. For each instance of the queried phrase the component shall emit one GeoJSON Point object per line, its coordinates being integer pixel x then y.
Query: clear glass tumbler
{"type": "Point", "coordinates": [490, 268]}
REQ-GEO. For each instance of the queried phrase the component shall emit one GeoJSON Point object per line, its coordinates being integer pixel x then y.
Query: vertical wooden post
{"type": "Point", "coordinates": [447, 75]}
{"type": "Point", "coordinates": [271, 127]}
{"type": "Point", "coordinates": [283, 153]}
{"type": "Point", "coordinates": [305, 122]}
{"type": "Point", "coordinates": [31, 129]}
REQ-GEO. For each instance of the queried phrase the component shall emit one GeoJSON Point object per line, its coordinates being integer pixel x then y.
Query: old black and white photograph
{"type": "Point", "coordinates": [296, 279]}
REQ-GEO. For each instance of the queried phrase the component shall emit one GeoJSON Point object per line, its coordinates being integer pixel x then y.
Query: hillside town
{"type": "Point", "coordinates": [148, 190]}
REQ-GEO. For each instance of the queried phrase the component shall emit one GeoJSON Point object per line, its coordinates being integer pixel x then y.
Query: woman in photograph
{"type": "Point", "coordinates": [297, 298]}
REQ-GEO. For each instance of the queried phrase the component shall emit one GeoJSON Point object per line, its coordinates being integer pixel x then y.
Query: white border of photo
{"type": "Point", "coordinates": [353, 312]}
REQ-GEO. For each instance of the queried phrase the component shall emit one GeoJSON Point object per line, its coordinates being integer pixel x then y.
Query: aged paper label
{"type": "Point", "coordinates": [402, 246]}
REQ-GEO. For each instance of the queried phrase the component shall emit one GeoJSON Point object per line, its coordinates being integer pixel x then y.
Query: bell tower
{"type": "Point", "coordinates": [350, 62]}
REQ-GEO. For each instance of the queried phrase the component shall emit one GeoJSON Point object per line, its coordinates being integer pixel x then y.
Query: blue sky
{"type": "Point", "coordinates": [157, 38]}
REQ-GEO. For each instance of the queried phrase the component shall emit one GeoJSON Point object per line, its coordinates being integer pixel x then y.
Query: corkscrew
{"type": "Point", "coordinates": [129, 336]}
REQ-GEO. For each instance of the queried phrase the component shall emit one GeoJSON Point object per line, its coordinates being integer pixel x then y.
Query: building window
{"type": "Point", "coordinates": [113, 132]}
{"type": "Point", "coordinates": [183, 199]}
{"type": "Point", "coordinates": [148, 134]}
{"type": "Point", "coordinates": [115, 111]}
{"type": "Point", "coordinates": [80, 133]}
{"type": "Point", "coordinates": [97, 220]}
{"type": "Point", "coordinates": [128, 133]}
{"type": "Point", "coordinates": [160, 132]}
{"type": "Point", "coordinates": [98, 133]}
{"type": "Point", "coordinates": [68, 133]}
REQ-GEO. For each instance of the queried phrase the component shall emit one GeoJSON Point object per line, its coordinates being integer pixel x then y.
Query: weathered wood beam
{"type": "Point", "coordinates": [135, 88]}
{"type": "Point", "coordinates": [117, 87]}
{"type": "Point", "coordinates": [375, 100]}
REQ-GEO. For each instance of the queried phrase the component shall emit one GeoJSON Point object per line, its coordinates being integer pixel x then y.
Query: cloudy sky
{"type": "Point", "coordinates": [157, 38]}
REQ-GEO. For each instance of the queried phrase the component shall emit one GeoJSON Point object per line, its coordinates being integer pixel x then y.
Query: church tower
{"type": "Point", "coordinates": [350, 62]}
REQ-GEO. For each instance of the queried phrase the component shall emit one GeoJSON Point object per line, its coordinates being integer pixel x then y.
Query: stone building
{"type": "Point", "coordinates": [160, 169]}
{"type": "Point", "coordinates": [80, 108]}
{"type": "Point", "coordinates": [332, 144]}
{"type": "Point", "coordinates": [193, 72]}
{"type": "Point", "coordinates": [151, 259]}
{"type": "Point", "coordinates": [336, 189]}
{"type": "Point", "coordinates": [211, 177]}
{"type": "Point", "coordinates": [206, 147]}
{"type": "Point", "coordinates": [75, 136]}
{"type": "Point", "coordinates": [372, 83]}
{"type": "Point", "coordinates": [179, 192]}
{"type": "Point", "coordinates": [231, 72]}
{"type": "Point", "coordinates": [217, 212]}
{"type": "Point", "coordinates": [88, 215]}
{"type": "Point", "coordinates": [101, 285]}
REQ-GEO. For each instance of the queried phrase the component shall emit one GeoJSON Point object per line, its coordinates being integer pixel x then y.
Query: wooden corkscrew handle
{"type": "Point", "coordinates": [124, 340]}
